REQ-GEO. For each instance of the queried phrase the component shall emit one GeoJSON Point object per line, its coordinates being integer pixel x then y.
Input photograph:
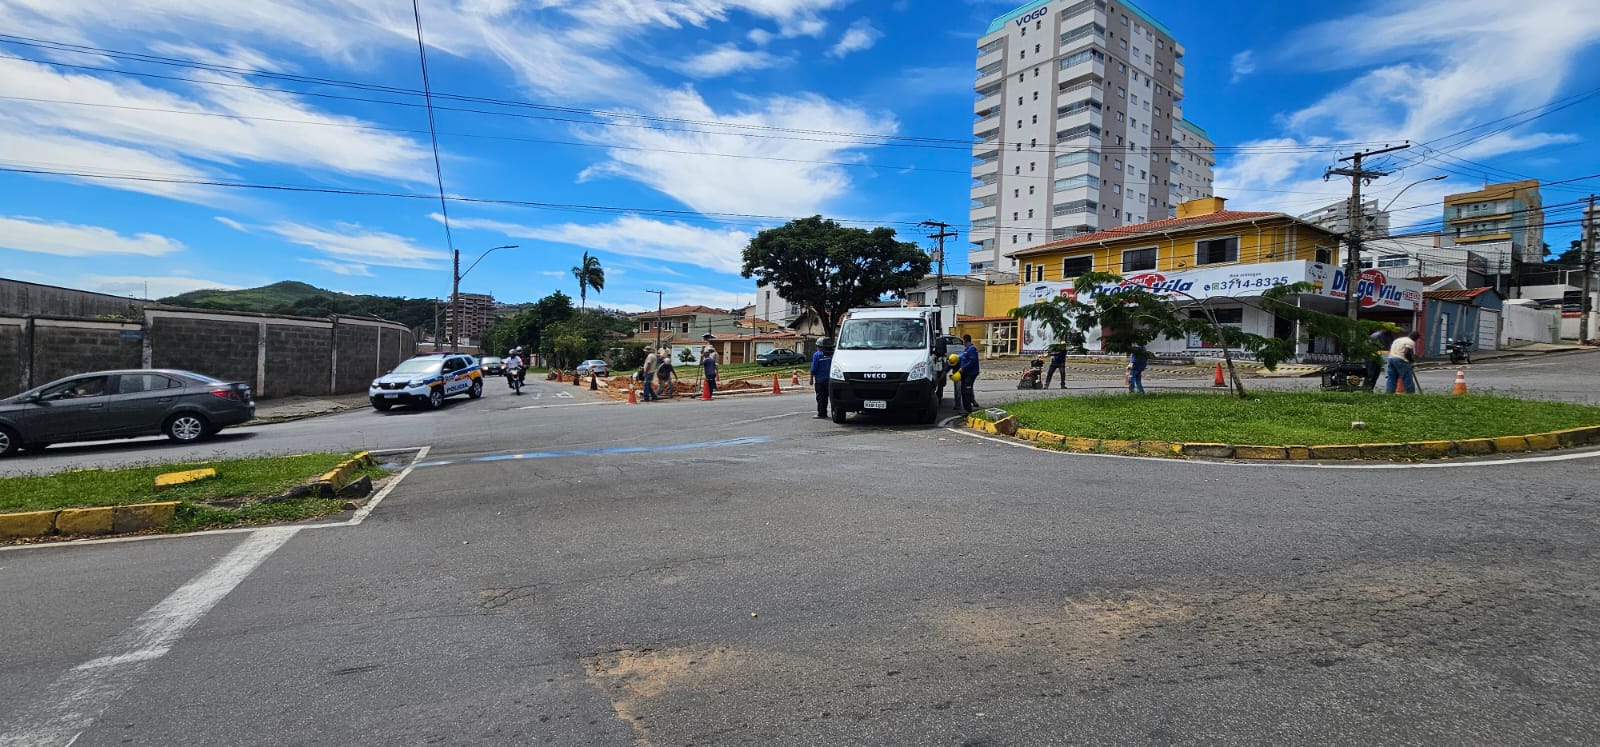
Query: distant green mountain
{"type": "Point", "coordinates": [265, 299]}
{"type": "Point", "coordinates": [301, 299]}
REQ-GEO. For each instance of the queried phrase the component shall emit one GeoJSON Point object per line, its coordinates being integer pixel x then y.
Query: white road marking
{"type": "Point", "coordinates": [569, 404]}
{"type": "Point", "coordinates": [564, 395]}
{"type": "Point", "coordinates": [70, 705]}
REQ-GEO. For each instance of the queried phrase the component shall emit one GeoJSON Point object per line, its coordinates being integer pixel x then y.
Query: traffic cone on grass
{"type": "Point", "coordinates": [1461, 382]}
{"type": "Point", "coordinates": [1217, 380]}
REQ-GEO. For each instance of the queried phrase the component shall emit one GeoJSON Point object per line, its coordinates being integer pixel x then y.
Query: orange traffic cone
{"type": "Point", "coordinates": [1400, 385]}
{"type": "Point", "coordinates": [1217, 380]}
{"type": "Point", "coordinates": [1461, 382]}
{"type": "Point", "coordinates": [705, 390]}
{"type": "Point", "coordinates": [633, 399]}
{"type": "Point", "coordinates": [794, 377]}
{"type": "Point", "coordinates": [775, 388]}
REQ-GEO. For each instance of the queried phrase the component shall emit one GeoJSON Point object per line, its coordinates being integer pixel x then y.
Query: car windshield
{"type": "Point", "coordinates": [883, 334]}
{"type": "Point", "coordinates": [492, 360]}
{"type": "Point", "coordinates": [419, 366]}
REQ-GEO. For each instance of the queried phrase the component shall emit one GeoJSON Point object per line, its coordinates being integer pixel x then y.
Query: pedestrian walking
{"type": "Point", "coordinates": [1136, 365]}
{"type": "Point", "coordinates": [821, 366]}
{"type": "Point", "coordinates": [1058, 365]}
{"type": "Point", "coordinates": [968, 368]}
{"type": "Point", "coordinates": [708, 362]}
{"type": "Point", "coordinates": [648, 373]}
{"type": "Point", "coordinates": [1402, 363]}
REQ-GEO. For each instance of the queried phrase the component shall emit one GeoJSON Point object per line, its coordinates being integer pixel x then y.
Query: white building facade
{"type": "Point", "coordinates": [1079, 127]}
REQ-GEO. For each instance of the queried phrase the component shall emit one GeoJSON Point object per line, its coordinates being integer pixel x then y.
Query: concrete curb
{"type": "Point", "coordinates": [335, 481]}
{"type": "Point", "coordinates": [1412, 450]}
{"type": "Point", "coordinates": [84, 521]}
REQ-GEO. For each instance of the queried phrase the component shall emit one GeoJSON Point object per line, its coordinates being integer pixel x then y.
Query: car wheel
{"type": "Point", "coordinates": [476, 391]}
{"type": "Point", "coordinates": [436, 398]}
{"type": "Point", "coordinates": [381, 406]}
{"type": "Point", "coordinates": [8, 441]}
{"type": "Point", "coordinates": [186, 428]}
{"type": "Point", "coordinates": [930, 412]}
{"type": "Point", "coordinates": [838, 415]}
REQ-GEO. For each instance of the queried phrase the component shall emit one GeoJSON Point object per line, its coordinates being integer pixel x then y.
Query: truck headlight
{"type": "Point", "coordinates": [918, 372]}
{"type": "Point", "coordinates": [836, 374]}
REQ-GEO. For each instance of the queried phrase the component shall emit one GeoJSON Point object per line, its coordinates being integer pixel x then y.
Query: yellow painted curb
{"type": "Point", "coordinates": [1505, 444]}
{"type": "Point", "coordinates": [335, 479]}
{"type": "Point", "coordinates": [1077, 443]}
{"type": "Point", "coordinates": [1299, 453]}
{"type": "Point", "coordinates": [1434, 449]}
{"type": "Point", "coordinates": [142, 516]}
{"type": "Point", "coordinates": [1260, 452]}
{"type": "Point", "coordinates": [174, 479]}
{"type": "Point", "coordinates": [1543, 441]}
{"type": "Point", "coordinates": [1119, 446]}
{"type": "Point", "coordinates": [1475, 446]}
{"type": "Point", "coordinates": [1385, 451]}
{"type": "Point", "coordinates": [1212, 451]}
{"type": "Point", "coordinates": [29, 524]}
{"type": "Point", "coordinates": [1571, 437]}
{"type": "Point", "coordinates": [1336, 451]}
{"type": "Point", "coordinates": [84, 520]}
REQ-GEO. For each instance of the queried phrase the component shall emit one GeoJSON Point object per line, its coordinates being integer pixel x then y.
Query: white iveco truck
{"type": "Point", "coordinates": [889, 359]}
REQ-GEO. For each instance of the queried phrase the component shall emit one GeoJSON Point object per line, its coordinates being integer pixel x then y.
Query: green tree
{"type": "Point", "coordinates": [830, 269]}
{"type": "Point", "coordinates": [589, 275]}
{"type": "Point", "coordinates": [527, 328]}
{"type": "Point", "coordinates": [1131, 316]}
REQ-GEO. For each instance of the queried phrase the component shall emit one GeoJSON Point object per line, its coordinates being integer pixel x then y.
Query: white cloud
{"type": "Point", "coordinates": [1423, 81]}
{"type": "Point", "coordinates": [860, 36]}
{"type": "Point", "coordinates": [231, 223]}
{"type": "Point", "coordinates": [26, 234]}
{"type": "Point", "coordinates": [341, 268]}
{"type": "Point", "coordinates": [139, 286]}
{"type": "Point", "coordinates": [1242, 65]}
{"type": "Point", "coordinates": [352, 244]}
{"type": "Point", "coordinates": [721, 250]}
{"type": "Point", "coordinates": [798, 186]}
{"type": "Point", "coordinates": [727, 59]}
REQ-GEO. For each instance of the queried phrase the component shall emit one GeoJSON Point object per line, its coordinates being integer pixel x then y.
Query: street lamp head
{"type": "Point", "coordinates": [507, 246]}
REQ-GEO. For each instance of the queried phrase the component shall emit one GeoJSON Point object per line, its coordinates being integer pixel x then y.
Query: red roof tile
{"type": "Point", "coordinates": [1159, 226]}
{"type": "Point", "coordinates": [1456, 295]}
{"type": "Point", "coordinates": [683, 311]}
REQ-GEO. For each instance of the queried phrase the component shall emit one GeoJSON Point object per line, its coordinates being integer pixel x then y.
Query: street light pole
{"type": "Point", "coordinates": [938, 288]}
{"type": "Point", "coordinates": [455, 290]}
{"type": "Point", "coordinates": [658, 319]}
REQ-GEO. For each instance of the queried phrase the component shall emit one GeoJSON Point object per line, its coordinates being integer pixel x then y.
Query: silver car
{"type": "Point", "coordinates": [182, 405]}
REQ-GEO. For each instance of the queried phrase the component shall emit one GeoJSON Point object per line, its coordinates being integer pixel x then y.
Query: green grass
{"type": "Point", "coordinates": [237, 480]}
{"type": "Point", "coordinates": [192, 517]}
{"type": "Point", "coordinates": [1298, 418]}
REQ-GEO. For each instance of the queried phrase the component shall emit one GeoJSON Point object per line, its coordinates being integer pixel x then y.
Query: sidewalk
{"type": "Point", "coordinates": [295, 408]}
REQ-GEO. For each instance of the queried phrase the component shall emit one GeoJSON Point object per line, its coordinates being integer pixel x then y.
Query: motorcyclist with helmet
{"type": "Point", "coordinates": [516, 370]}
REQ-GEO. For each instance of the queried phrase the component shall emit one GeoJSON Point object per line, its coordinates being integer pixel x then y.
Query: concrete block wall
{"type": "Point", "coordinates": [277, 356]}
{"type": "Point", "coordinates": [210, 344]}
{"type": "Point", "coordinates": [299, 357]}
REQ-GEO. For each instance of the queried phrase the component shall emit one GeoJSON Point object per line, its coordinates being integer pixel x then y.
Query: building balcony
{"type": "Point", "coordinates": [981, 191]}
{"type": "Point", "coordinates": [983, 128]}
{"type": "Point", "coordinates": [990, 58]}
{"type": "Point", "coordinates": [1080, 118]}
{"type": "Point", "coordinates": [986, 170]}
{"type": "Point", "coordinates": [1082, 70]}
{"type": "Point", "coordinates": [986, 104]}
{"type": "Point", "coordinates": [988, 79]}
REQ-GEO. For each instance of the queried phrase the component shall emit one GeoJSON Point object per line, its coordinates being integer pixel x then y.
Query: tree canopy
{"type": "Point", "coordinates": [589, 274]}
{"type": "Point", "coordinates": [829, 269]}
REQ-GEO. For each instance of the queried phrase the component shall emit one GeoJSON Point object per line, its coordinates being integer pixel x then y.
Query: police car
{"type": "Point", "coordinates": [427, 380]}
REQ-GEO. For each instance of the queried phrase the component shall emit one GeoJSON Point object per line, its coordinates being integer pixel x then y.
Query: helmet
{"type": "Point", "coordinates": [954, 359]}
{"type": "Point", "coordinates": [955, 376]}
{"type": "Point", "coordinates": [825, 343]}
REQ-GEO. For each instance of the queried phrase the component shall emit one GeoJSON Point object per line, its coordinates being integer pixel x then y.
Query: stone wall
{"type": "Point", "coordinates": [18, 298]}
{"type": "Point", "coordinates": [278, 356]}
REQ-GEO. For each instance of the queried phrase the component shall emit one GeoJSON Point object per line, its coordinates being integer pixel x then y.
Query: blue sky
{"type": "Point", "coordinates": [660, 135]}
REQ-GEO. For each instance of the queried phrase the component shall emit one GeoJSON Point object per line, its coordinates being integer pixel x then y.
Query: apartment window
{"type": "Point", "coordinates": [1134, 260]}
{"type": "Point", "coordinates": [1117, 164]}
{"type": "Point", "coordinates": [1036, 95]}
{"type": "Point", "coordinates": [1030, 190]}
{"type": "Point", "coordinates": [1015, 217]}
{"type": "Point", "coordinates": [1122, 93]}
{"type": "Point", "coordinates": [1035, 49]}
{"type": "Point", "coordinates": [1324, 255]}
{"type": "Point", "coordinates": [1035, 119]}
{"type": "Point", "coordinates": [1030, 213]}
{"type": "Point", "coordinates": [1030, 240]}
{"type": "Point", "coordinates": [1120, 117]}
{"type": "Point", "coordinates": [1116, 212]}
{"type": "Point", "coordinates": [1033, 142]}
{"type": "Point", "coordinates": [1121, 68]}
{"type": "Point", "coordinates": [1016, 193]}
{"type": "Point", "coordinates": [1399, 260]}
{"type": "Point", "coordinates": [1072, 267]}
{"type": "Point", "coordinates": [1124, 20]}
{"type": "Point", "coordinates": [686, 328]}
{"type": "Point", "coordinates": [1013, 238]}
{"type": "Point", "coordinates": [1036, 74]}
{"type": "Point", "coordinates": [1116, 189]}
{"type": "Point", "coordinates": [1215, 251]}
{"type": "Point", "coordinates": [1123, 43]}
{"type": "Point", "coordinates": [1022, 55]}
{"type": "Point", "coordinates": [1019, 122]}
{"type": "Point", "coordinates": [1031, 165]}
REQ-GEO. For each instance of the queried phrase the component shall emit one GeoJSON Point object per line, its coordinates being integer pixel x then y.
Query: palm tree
{"type": "Point", "coordinates": [589, 275]}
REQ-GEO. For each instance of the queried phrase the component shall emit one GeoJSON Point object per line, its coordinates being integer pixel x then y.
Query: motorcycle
{"type": "Point", "coordinates": [514, 378]}
{"type": "Point", "coordinates": [1460, 350]}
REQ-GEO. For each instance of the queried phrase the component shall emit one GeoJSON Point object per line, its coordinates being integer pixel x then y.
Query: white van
{"type": "Point", "coordinates": [889, 359]}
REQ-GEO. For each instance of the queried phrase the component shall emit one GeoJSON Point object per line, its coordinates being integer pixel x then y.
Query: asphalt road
{"type": "Point", "coordinates": [736, 572]}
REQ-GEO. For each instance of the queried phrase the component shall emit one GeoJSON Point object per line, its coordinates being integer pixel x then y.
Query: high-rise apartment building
{"type": "Point", "coordinates": [1336, 218]}
{"type": "Point", "coordinates": [1079, 127]}
{"type": "Point", "coordinates": [1511, 211]}
{"type": "Point", "coordinates": [477, 315]}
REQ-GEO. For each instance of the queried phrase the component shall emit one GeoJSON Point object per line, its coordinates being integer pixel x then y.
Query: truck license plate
{"type": "Point", "coordinates": [875, 404]}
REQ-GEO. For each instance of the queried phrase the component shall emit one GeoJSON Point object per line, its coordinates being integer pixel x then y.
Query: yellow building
{"type": "Point", "coordinates": [1206, 253]}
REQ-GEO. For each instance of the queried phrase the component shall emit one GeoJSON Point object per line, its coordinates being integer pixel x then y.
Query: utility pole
{"type": "Point", "coordinates": [938, 288]}
{"type": "Point", "coordinates": [455, 298]}
{"type": "Point", "coordinates": [1352, 260]}
{"type": "Point", "coordinates": [658, 318]}
{"type": "Point", "coordinates": [1586, 306]}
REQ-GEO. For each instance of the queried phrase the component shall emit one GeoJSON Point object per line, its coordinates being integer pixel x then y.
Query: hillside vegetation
{"type": "Point", "coordinates": [300, 299]}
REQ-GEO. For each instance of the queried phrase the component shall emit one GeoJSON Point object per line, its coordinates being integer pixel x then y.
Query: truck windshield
{"type": "Point", "coordinates": [883, 334]}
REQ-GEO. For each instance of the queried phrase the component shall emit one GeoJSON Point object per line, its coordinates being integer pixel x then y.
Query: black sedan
{"type": "Point", "coordinates": [780, 357]}
{"type": "Point", "coordinates": [182, 405]}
